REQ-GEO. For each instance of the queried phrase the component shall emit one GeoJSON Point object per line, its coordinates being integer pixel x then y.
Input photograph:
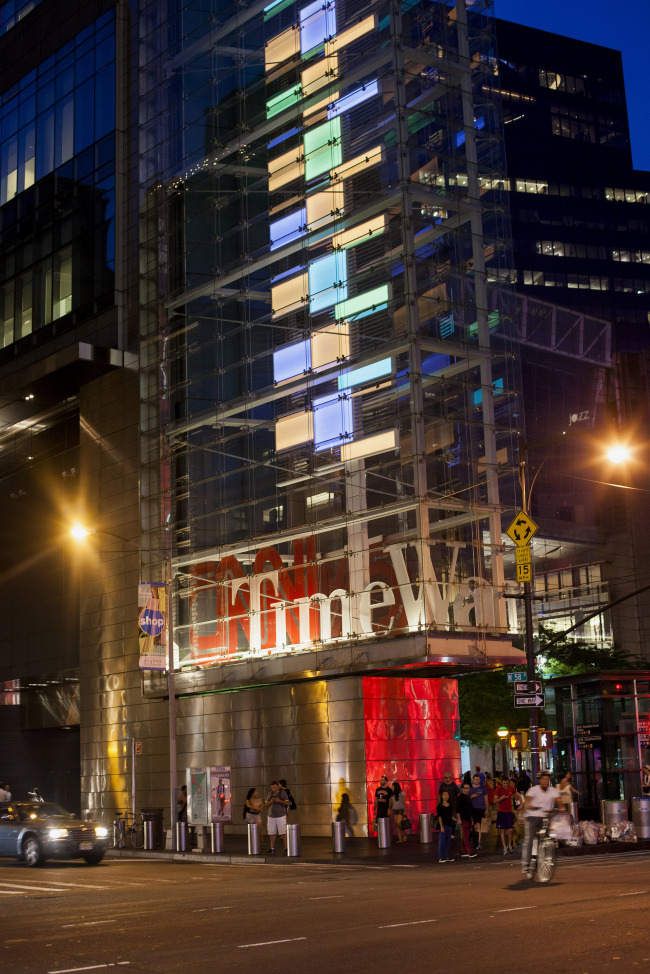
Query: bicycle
{"type": "Point", "coordinates": [126, 829]}
{"type": "Point", "coordinates": [544, 853]}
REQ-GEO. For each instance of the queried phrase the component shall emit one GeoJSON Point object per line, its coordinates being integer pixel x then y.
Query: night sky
{"type": "Point", "coordinates": [623, 26]}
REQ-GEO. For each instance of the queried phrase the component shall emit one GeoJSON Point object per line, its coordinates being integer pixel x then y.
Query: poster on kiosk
{"type": "Point", "coordinates": [220, 796]}
{"type": "Point", "coordinates": [197, 796]}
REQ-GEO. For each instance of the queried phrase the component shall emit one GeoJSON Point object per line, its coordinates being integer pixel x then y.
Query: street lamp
{"type": "Point", "coordinates": [80, 532]}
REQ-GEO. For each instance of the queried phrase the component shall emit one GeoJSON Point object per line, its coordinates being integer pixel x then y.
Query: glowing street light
{"type": "Point", "coordinates": [618, 453]}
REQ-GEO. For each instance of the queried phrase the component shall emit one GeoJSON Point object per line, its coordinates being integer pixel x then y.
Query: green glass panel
{"type": "Point", "coordinates": [323, 148]}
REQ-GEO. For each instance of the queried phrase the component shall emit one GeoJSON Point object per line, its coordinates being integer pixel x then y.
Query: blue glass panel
{"type": "Point", "coordinates": [317, 22]}
{"type": "Point", "coordinates": [105, 52]}
{"type": "Point", "coordinates": [45, 143]}
{"type": "Point", "coordinates": [84, 68]}
{"type": "Point", "coordinates": [366, 373]}
{"type": "Point", "coordinates": [288, 228]}
{"type": "Point", "coordinates": [353, 98]}
{"type": "Point", "coordinates": [45, 95]}
{"type": "Point", "coordinates": [497, 388]}
{"type": "Point", "coordinates": [64, 81]}
{"type": "Point", "coordinates": [291, 360]}
{"type": "Point", "coordinates": [333, 420]}
{"type": "Point", "coordinates": [325, 276]}
{"type": "Point", "coordinates": [84, 110]}
{"type": "Point", "coordinates": [285, 135]}
{"type": "Point", "coordinates": [104, 102]}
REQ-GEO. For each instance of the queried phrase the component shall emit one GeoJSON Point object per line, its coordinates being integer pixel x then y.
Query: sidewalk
{"type": "Point", "coordinates": [365, 851]}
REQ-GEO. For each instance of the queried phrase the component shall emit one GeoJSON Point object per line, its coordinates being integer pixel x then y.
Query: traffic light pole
{"type": "Point", "coordinates": [530, 676]}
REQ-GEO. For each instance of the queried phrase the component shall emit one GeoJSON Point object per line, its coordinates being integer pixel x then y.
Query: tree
{"type": "Point", "coordinates": [567, 657]}
{"type": "Point", "coordinates": [485, 703]}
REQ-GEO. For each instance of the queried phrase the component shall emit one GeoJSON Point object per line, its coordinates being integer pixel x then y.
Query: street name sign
{"type": "Point", "coordinates": [533, 700]}
{"type": "Point", "coordinates": [535, 686]}
{"type": "Point", "coordinates": [522, 529]}
{"type": "Point", "coordinates": [516, 677]}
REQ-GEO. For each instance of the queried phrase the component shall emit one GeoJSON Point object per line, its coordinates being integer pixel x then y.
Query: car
{"type": "Point", "coordinates": [36, 831]}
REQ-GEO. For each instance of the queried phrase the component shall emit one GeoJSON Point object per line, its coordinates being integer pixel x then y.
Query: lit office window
{"type": "Point", "coordinates": [24, 302]}
{"type": "Point", "coordinates": [6, 314]}
{"type": "Point", "coordinates": [62, 283]}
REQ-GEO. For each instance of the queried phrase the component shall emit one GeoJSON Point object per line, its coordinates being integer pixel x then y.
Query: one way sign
{"type": "Point", "coordinates": [536, 700]}
{"type": "Point", "coordinates": [522, 529]}
{"type": "Point", "coordinates": [535, 686]}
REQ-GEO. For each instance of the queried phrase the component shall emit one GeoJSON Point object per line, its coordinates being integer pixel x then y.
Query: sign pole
{"type": "Point", "coordinates": [530, 667]}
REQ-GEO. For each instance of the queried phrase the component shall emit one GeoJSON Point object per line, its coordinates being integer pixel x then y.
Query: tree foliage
{"type": "Point", "coordinates": [567, 657]}
{"type": "Point", "coordinates": [485, 704]}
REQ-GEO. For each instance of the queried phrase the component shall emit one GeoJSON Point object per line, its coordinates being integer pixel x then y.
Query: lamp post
{"type": "Point", "coordinates": [502, 733]}
{"type": "Point", "coordinates": [79, 532]}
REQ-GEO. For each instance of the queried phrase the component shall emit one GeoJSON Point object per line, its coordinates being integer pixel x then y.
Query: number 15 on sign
{"type": "Point", "coordinates": [524, 573]}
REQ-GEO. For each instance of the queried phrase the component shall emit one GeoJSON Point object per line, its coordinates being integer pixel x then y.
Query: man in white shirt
{"type": "Point", "coordinates": [4, 795]}
{"type": "Point", "coordinates": [539, 801]}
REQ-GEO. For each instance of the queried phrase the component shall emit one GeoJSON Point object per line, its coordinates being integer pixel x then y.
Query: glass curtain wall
{"type": "Point", "coordinates": [321, 192]}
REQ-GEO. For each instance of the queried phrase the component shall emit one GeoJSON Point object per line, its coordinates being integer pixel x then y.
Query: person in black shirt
{"type": "Point", "coordinates": [464, 816]}
{"type": "Point", "coordinates": [383, 795]}
{"type": "Point", "coordinates": [445, 815]}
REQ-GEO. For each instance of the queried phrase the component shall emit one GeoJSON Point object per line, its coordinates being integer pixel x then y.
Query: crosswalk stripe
{"type": "Point", "coordinates": [39, 889]}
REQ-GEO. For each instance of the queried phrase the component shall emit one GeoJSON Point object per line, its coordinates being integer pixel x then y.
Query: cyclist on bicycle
{"type": "Point", "coordinates": [539, 801]}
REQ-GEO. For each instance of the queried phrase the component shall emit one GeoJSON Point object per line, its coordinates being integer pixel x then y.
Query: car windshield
{"type": "Point", "coordinates": [31, 810]}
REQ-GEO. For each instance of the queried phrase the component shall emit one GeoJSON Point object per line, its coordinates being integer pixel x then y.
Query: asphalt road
{"type": "Point", "coordinates": [161, 916]}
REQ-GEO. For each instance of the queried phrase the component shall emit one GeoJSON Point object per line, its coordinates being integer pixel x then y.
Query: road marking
{"type": "Point", "coordinates": [56, 882]}
{"type": "Point", "coordinates": [39, 889]}
{"type": "Point", "coordinates": [11, 892]}
{"type": "Point", "coordinates": [88, 923]}
{"type": "Point", "coordinates": [93, 967]}
{"type": "Point", "coordinates": [638, 892]}
{"type": "Point", "coordinates": [264, 943]}
{"type": "Point", "coordinates": [513, 909]}
{"type": "Point", "coordinates": [411, 923]}
{"type": "Point", "coordinates": [337, 896]}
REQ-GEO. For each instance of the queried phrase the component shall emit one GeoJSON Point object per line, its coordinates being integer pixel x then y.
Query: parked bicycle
{"type": "Point", "coordinates": [127, 831]}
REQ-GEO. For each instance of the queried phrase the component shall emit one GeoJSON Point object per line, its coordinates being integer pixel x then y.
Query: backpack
{"type": "Point", "coordinates": [292, 801]}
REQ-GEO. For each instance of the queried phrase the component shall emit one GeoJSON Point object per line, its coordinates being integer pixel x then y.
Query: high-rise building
{"type": "Point", "coordinates": [580, 211]}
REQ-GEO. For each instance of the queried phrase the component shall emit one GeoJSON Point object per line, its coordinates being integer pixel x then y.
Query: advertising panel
{"type": "Point", "coordinates": [220, 795]}
{"type": "Point", "coordinates": [197, 796]}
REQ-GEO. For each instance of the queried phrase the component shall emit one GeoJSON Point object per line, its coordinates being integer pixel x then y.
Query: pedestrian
{"type": "Point", "coordinates": [645, 779]}
{"type": "Point", "coordinates": [448, 784]}
{"type": "Point", "coordinates": [253, 807]}
{"type": "Point", "coordinates": [480, 773]}
{"type": "Point", "coordinates": [478, 795]}
{"type": "Point", "coordinates": [3, 794]}
{"type": "Point", "coordinates": [292, 800]}
{"type": "Point", "coordinates": [505, 815]}
{"type": "Point", "coordinates": [467, 778]}
{"type": "Point", "coordinates": [347, 814]}
{"type": "Point", "coordinates": [464, 818]}
{"type": "Point", "coordinates": [382, 798]}
{"type": "Point", "coordinates": [445, 816]}
{"type": "Point", "coordinates": [8, 790]}
{"type": "Point", "coordinates": [540, 800]}
{"type": "Point", "coordinates": [277, 804]}
{"type": "Point", "coordinates": [567, 791]}
{"type": "Point", "coordinates": [397, 809]}
{"type": "Point", "coordinates": [523, 781]}
{"type": "Point", "coordinates": [181, 805]}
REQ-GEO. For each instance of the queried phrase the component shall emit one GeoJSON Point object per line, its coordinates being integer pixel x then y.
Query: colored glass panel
{"type": "Point", "coordinates": [366, 373]}
{"type": "Point", "coordinates": [327, 281]}
{"type": "Point", "coordinates": [333, 420]}
{"type": "Point", "coordinates": [317, 24]}
{"type": "Point", "coordinates": [288, 228]}
{"type": "Point", "coordinates": [374, 299]}
{"type": "Point", "coordinates": [291, 360]}
{"type": "Point", "coordinates": [323, 148]}
{"type": "Point", "coordinates": [354, 98]}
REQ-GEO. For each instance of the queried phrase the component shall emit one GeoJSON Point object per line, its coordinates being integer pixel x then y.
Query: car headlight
{"type": "Point", "coordinates": [101, 832]}
{"type": "Point", "coordinates": [57, 833]}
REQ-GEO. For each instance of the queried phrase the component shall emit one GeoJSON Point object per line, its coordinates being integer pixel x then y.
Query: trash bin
{"type": "Point", "coordinates": [612, 810]}
{"type": "Point", "coordinates": [641, 817]}
{"type": "Point", "coordinates": [254, 839]}
{"type": "Point", "coordinates": [216, 837]}
{"type": "Point", "coordinates": [338, 836]}
{"type": "Point", "coordinates": [383, 833]}
{"type": "Point", "coordinates": [148, 826]}
{"type": "Point", "coordinates": [293, 840]}
{"type": "Point", "coordinates": [155, 817]}
{"type": "Point", "coordinates": [425, 829]}
{"type": "Point", "coordinates": [181, 836]}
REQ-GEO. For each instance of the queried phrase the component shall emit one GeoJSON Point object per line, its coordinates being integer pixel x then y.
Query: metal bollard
{"type": "Point", "coordinates": [181, 836]}
{"type": "Point", "coordinates": [338, 836]}
{"type": "Point", "coordinates": [254, 839]}
{"type": "Point", "coordinates": [293, 840]}
{"type": "Point", "coordinates": [216, 837]}
{"type": "Point", "coordinates": [425, 828]}
{"type": "Point", "coordinates": [149, 835]}
{"type": "Point", "coordinates": [383, 832]}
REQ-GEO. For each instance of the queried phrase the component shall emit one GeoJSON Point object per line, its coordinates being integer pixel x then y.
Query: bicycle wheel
{"type": "Point", "coordinates": [137, 837]}
{"type": "Point", "coordinates": [546, 860]}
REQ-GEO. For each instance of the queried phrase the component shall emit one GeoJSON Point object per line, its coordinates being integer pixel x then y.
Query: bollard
{"type": "Point", "coordinates": [149, 836]}
{"type": "Point", "coordinates": [338, 836]}
{"type": "Point", "coordinates": [383, 832]}
{"type": "Point", "coordinates": [181, 836]}
{"type": "Point", "coordinates": [254, 839]}
{"type": "Point", "coordinates": [216, 837]}
{"type": "Point", "coordinates": [425, 829]}
{"type": "Point", "coordinates": [293, 840]}
{"type": "Point", "coordinates": [641, 816]}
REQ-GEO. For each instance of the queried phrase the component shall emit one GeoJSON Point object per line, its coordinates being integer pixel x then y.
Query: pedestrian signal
{"type": "Point", "coordinates": [516, 742]}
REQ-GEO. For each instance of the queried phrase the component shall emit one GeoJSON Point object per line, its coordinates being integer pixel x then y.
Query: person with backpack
{"type": "Point", "coordinates": [252, 812]}
{"type": "Point", "coordinates": [292, 801]}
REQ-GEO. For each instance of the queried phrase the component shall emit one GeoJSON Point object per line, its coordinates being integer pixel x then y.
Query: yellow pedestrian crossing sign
{"type": "Point", "coordinates": [522, 529]}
